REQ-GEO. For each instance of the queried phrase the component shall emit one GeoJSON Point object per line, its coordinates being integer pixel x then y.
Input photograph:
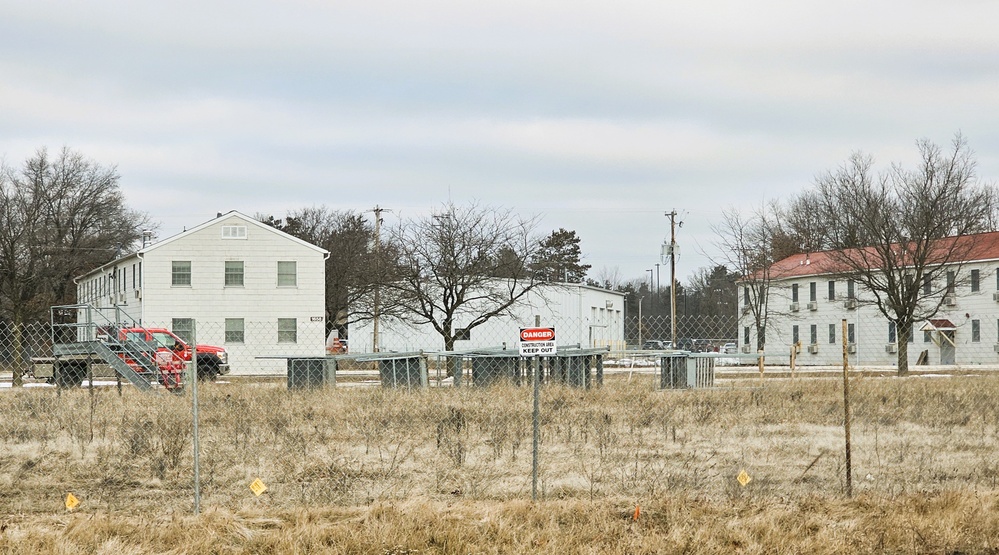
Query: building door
{"type": "Point", "coordinates": [947, 349]}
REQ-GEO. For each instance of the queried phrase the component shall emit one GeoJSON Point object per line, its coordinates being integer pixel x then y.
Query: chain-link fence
{"type": "Point", "coordinates": [627, 423]}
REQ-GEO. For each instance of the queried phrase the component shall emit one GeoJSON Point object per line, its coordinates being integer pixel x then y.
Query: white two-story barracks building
{"type": "Point", "coordinates": [807, 304]}
{"type": "Point", "coordinates": [248, 287]}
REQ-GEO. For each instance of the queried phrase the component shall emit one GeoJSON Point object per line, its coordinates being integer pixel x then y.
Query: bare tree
{"type": "Point", "coordinates": [897, 231]}
{"type": "Point", "coordinates": [354, 269]}
{"type": "Point", "coordinates": [801, 226]}
{"type": "Point", "coordinates": [61, 216]}
{"type": "Point", "coordinates": [463, 266]}
{"type": "Point", "coordinates": [608, 278]}
{"type": "Point", "coordinates": [747, 244]}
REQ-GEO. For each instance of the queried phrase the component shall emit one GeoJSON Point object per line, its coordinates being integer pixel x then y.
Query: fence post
{"type": "Point", "coordinates": [193, 377]}
{"type": "Point", "coordinates": [536, 424]}
{"type": "Point", "coordinates": [846, 412]}
{"type": "Point", "coordinates": [536, 420]}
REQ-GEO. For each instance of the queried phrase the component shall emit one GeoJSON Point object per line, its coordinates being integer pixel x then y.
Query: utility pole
{"type": "Point", "coordinates": [672, 272]}
{"type": "Point", "coordinates": [376, 312]}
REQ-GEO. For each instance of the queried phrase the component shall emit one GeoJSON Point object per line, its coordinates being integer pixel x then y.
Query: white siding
{"type": "Point", "coordinates": [259, 302]}
{"type": "Point", "coordinates": [871, 327]}
{"type": "Point", "coordinates": [580, 314]}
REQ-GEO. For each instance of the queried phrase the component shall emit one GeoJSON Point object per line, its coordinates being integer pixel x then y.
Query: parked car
{"type": "Point", "coordinates": [702, 346]}
{"type": "Point", "coordinates": [730, 348]}
{"type": "Point", "coordinates": [657, 345]}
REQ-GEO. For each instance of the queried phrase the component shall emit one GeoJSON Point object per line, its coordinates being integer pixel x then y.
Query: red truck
{"type": "Point", "coordinates": [173, 353]}
{"type": "Point", "coordinates": [153, 354]}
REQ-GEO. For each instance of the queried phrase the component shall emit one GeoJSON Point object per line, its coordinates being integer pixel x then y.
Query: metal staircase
{"type": "Point", "coordinates": [94, 334]}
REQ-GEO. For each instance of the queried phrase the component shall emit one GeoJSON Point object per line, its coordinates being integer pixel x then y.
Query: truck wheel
{"type": "Point", "coordinates": [208, 369]}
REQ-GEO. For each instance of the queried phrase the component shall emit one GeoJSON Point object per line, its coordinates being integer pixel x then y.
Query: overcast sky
{"type": "Point", "coordinates": [596, 116]}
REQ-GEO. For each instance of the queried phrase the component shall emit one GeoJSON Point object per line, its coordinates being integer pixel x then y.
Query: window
{"type": "Point", "coordinates": [286, 276]}
{"type": "Point", "coordinates": [927, 285]}
{"type": "Point", "coordinates": [794, 293]}
{"type": "Point", "coordinates": [926, 336]}
{"type": "Point", "coordinates": [234, 330]}
{"type": "Point", "coordinates": [745, 295]}
{"type": "Point", "coordinates": [975, 277]}
{"type": "Point", "coordinates": [813, 334]}
{"type": "Point", "coordinates": [832, 334]}
{"type": "Point", "coordinates": [812, 295]}
{"type": "Point", "coordinates": [794, 334]}
{"type": "Point", "coordinates": [287, 330]}
{"type": "Point", "coordinates": [234, 232]}
{"type": "Point", "coordinates": [832, 290]}
{"type": "Point", "coordinates": [892, 336]}
{"type": "Point", "coordinates": [850, 289]}
{"type": "Point", "coordinates": [951, 279]}
{"type": "Point", "coordinates": [745, 335]}
{"type": "Point", "coordinates": [183, 328]}
{"type": "Point", "coordinates": [181, 273]}
{"type": "Point", "coordinates": [976, 331]}
{"type": "Point", "coordinates": [233, 273]}
{"type": "Point", "coordinates": [851, 336]}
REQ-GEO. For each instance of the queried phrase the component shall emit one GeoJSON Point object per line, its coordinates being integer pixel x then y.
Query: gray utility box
{"type": "Point", "coordinates": [311, 372]}
{"type": "Point", "coordinates": [494, 369]}
{"type": "Point", "coordinates": [576, 370]}
{"type": "Point", "coordinates": [405, 371]}
{"type": "Point", "coordinates": [683, 370]}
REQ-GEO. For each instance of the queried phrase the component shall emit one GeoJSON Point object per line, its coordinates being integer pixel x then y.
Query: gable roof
{"type": "Point", "coordinates": [979, 247]}
{"type": "Point", "coordinates": [231, 213]}
{"type": "Point", "coordinates": [241, 216]}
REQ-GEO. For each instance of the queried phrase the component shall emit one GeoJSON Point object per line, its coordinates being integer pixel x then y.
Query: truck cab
{"type": "Point", "coordinates": [174, 351]}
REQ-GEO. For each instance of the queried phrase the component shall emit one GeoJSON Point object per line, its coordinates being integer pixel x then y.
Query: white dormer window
{"type": "Point", "coordinates": [234, 232]}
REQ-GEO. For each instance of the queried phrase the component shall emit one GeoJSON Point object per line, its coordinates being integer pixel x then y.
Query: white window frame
{"type": "Point", "coordinates": [175, 273]}
{"type": "Point", "coordinates": [234, 232]}
{"type": "Point", "coordinates": [241, 274]}
{"type": "Point", "coordinates": [287, 330]}
{"type": "Point", "coordinates": [182, 328]}
{"type": "Point", "coordinates": [235, 330]}
{"type": "Point", "coordinates": [293, 275]}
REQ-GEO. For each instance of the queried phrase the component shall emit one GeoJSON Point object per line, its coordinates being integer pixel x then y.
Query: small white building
{"type": "Point", "coordinates": [808, 303]}
{"type": "Point", "coordinates": [246, 286]}
{"type": "Point", "coordinates": [582, 315]}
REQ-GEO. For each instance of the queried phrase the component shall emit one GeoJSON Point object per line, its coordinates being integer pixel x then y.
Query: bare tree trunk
{"type": "Point", "coordinates": [904, 332]}
{"type": "Point", "coordinates": [17, 328]}
{"type": "Point", "coordinates": [451, 361]}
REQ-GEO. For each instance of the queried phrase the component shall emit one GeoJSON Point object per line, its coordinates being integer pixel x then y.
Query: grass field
{"type": "Point", "coordinates": [449, 470]}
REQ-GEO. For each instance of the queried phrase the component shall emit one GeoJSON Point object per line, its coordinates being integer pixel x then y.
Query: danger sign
{"type": "Point", "coordinates": [537, 334]}
{"type": "Point", "coordinates": [537, 341]}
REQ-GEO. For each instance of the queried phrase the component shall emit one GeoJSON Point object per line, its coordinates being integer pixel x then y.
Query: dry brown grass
{"type": "Point", "coordinates": [937, 523]}
{"type": "Point", "coordinates": [448, 471]}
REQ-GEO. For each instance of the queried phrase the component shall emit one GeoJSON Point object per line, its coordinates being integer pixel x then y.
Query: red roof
{"type": "Point", "coordinates": [939, 324]}
{"type": "Point", "coordinates": [978, 247]}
